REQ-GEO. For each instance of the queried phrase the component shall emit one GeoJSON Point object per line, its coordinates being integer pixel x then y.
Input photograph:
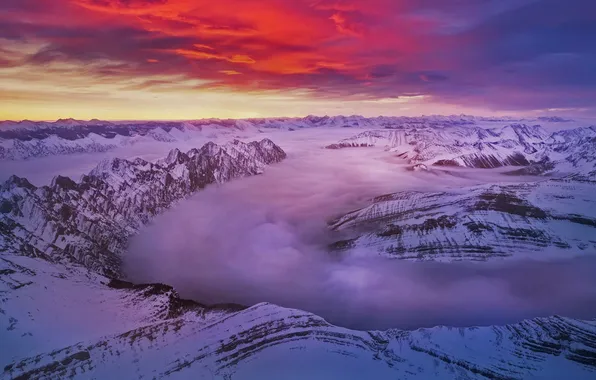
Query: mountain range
{"type": "Point", "coordinates": [88, 222]}
{"type": "Point", "coordinates": [28, 139]}
{"type": "Point", "coordinates": [67, 311]}
{"type": "Point", "coordinates": [527, 146]}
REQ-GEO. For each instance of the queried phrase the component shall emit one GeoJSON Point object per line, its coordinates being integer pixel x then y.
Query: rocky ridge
{"type": "Point", "coordinates": [530, 146]}
{"type": "Point", "coordinates": [476, 223]}
{"type": "Point", "coordinates": [89, 222]}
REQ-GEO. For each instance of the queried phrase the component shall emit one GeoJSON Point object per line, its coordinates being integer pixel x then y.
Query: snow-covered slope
{"type": "Point", "coordinates": [574, 149]}
{"type": "Point", "coordinates": [89, 221]}
{"type": "Point", "coordinates": [569, 151]}
{"type": "Point", "coordinates": [67, 322]}
{"type": "Point", "coordinates": [477, 223]}
{"type": "Point", "coordinates": [48, 305]}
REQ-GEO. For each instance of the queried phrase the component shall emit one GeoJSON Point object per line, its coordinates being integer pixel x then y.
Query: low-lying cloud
{"type": "Point", "coordinates": [264, 238]}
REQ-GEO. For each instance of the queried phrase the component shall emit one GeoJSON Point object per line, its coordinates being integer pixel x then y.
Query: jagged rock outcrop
{"type": "Point", "coordinates": [90, 221]}
{"type": "Point", "coordinates": [476, 223]}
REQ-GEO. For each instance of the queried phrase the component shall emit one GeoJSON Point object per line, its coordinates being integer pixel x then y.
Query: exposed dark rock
{"type": "Point", "coordinates": [176, 305]}
{"type": "Point", "coordinates": [534, 168]}
{"type": "Point", "coordinates": [341, 245]}
{"type": "Point", "coordinates": [448, 163]}
{"type": "Point", "coordinates": [509, 203]}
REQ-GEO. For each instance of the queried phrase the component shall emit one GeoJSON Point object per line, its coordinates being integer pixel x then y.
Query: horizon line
{"type": "Point", "coordinates": [289, 117]}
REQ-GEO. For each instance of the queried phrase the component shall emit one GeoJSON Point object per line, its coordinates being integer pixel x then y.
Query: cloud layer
{"type": "Point", "coordinates": [263, 239]}
{"type": "Point", "coordinates": [508, 55]}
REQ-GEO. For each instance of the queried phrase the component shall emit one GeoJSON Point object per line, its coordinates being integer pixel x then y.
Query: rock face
{"type": "Point", "coordinates": [106, 329]}
{"type": "Point", "coordinates": [476, 147]}
{"type": "Point", "coordinates": [477, 223]}
{"type": "Point", "coordinates": [89, 222]}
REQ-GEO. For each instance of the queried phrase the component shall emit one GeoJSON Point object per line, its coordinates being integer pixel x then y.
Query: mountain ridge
{"type": "Point", "coordinates": [476, 223]}
{"type": "Point", "coordinates": [90, 221]}
{"type": "Point", "coordinates": [474, 147]}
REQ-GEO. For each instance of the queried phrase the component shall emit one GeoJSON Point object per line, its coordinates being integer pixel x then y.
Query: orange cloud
{"type": "Point", "coordinates": [203, 46]}
{"type": "Point", "coordinates": [193, 54]}
{"type": "Point", "coordinates": [230, 72]}
{"type": "Point", "coordinates": [307, 45]}
{"type": "Point", "coordinates": [241, 58]}
{"type": "Point", "coordinates": [327, 49]}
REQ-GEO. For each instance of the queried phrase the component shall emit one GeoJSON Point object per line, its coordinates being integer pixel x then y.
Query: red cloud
{"type": "Point", "coordinates": [333, 48]}
{"type": "Point", "coordinates": [321, 45]}
{"type": "Point", "coordinates": [343, 25]}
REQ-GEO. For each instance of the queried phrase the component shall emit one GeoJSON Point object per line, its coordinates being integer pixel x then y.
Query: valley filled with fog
{"type": "Point", "coordinates": [351, 242]}
{"type": "Point", "coordinates": [266, 239]}
{"type": "Point", "coordinates": [298, 189]}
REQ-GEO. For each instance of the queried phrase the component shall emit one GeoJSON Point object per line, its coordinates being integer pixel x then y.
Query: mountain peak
{"type": "Point", "coordinates": [15, 181]}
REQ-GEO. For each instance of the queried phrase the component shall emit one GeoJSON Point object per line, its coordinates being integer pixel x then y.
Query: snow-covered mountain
{"type": "Point", "coordinates": [89, 222]}
{"type": "Point", "coordinates": [477, 223]}
{"type": "Point", "coordinates": [62, 322]}
{"type": "Point", "coordinates": [29, 139]}
{"type": "Point", "coordinates": [64, 313]}
{"type": "Point", "coordinates": [26, 139]}
{"type": "Point", "coordinates": [570, 151]}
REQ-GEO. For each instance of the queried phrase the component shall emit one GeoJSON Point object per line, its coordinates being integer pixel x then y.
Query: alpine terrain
{"type": "Point", "coordinates": [68, 311]}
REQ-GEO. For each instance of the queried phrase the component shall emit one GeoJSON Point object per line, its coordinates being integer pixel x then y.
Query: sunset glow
{"type": "Point", "coordinates": [185, 59]}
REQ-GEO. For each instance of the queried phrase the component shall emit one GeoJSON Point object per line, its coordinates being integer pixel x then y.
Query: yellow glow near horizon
{"type": "Point", "coordinates": [32, 95]}
{"type": "Point", "coordinates": [135, 105]}
{"type": "Point", "coordinates": [188, 59]}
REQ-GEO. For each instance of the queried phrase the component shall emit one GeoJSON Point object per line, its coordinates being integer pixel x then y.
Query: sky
{"type": "Point", "coordinates": [188, 59]}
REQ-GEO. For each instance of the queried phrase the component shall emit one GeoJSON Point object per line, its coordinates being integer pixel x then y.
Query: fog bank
{"type": "Point", "coordinates": [263, 239]}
